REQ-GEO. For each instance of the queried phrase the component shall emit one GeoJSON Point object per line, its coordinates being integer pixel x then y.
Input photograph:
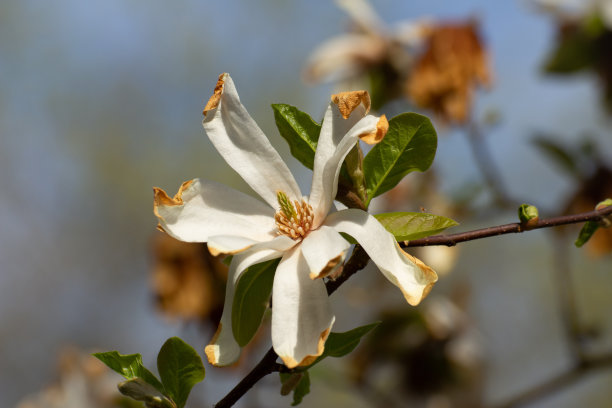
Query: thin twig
{"type": "Point", "coordinates": [454, 239]}
{"type": "Point", "coordinates": [486, 165]}
{"type": "Point", "coordinates": [566, 300]}
{"type": "Point", "coordinates": [359, 260]}
{"type": "Point", "coordinates": [559, 381]}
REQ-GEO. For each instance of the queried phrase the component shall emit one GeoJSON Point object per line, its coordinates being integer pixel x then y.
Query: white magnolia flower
{"type": "Point", "coordinates": [371, 43]}
{"type": "Point", "coordinates": [299, 230]}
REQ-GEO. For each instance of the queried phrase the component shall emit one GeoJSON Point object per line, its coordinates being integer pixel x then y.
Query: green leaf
{"type": "Point", "coordinates": [590, 227]}
{"type": "Point", "coordinates": [340, 344]}
{"type": "Point", "coordinates": [559, 154]}
{"type": "Point", "coordinates": [587, 231]}
{"type": "Point", "coordinates": [139, 390]}
{"type": "Point", "coordinates": [130, 366]}
{"type": "Point", "coordinates": [410, 145]}
{"type": "Point", "coordinates": [413, 225]}
{"type": "Point", "coordinates": [180, 368]}
{"type": "Point", "coordinates": [298, 382]}
{"type": "Point", "coordinates": [576, 51]}
{"type": "Point", "coordinates": [299, 130]}
{"type": "Point", "coordinates": [251, 300]}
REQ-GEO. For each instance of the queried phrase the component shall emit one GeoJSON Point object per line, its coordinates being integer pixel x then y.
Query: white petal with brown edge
{"type": "Point", "coordinates": [227, 244]}
{"type": "Point", "coordinates": [301, 313]}
{"type": "Point", "coordinates": [202, 209]}
{"type": "Point", "coordinates": [324, 250]}
{"type": "Point", "coordinates": [244, 146]}
{"type": "Point", "coordinates": [327, 163]}
{"type": "Point", "coordinates": [223, 349]}
{"type": "Point", "coordinates": [413, 277]}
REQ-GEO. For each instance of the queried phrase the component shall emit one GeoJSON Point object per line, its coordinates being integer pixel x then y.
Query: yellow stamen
{"type": "Point", "coordinates": [293, 219]}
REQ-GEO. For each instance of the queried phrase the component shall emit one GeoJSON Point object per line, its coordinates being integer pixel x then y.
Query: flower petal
{"type": "Point", "coordinates": [344, 56]}
{"type": "Point", "coordinates": [333, 146]}
{"type": "Point", "coordinates": [202, 209]}
{"type": "Point", "coordinates": [324, 250]}
{"type": "Point", "coordinates": [413, 277]}
{"type": "Point", "coordinates": [223, 349]}
{"type": "Point", "coordinates": [364, 15]}
{"type": "Point", "coordinates": [244, 146]}
{"type": "Point", "coordinates": [301, 313]}
{"type": "Point", "coordinates": [228, 244]}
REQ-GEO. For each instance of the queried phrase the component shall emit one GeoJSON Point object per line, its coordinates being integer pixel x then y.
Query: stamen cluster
{"type": "Point", "coordinates": [294, 220]}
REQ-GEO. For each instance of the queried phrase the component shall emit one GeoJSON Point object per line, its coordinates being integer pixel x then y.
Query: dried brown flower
{"type": "Point", "coordinates": [453, 63]}
{"type": "Point", "coordinates": [188, 282]}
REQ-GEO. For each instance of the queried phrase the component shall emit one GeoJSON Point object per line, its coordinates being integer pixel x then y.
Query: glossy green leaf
{"type": "Point", "coordinates": [139, 390]}
{"type": "Point", "coordinates": [298, 382]}
{"type": "Point", "coordinates": [410, 145]}
{"type": "Point", "coordinates": [414, 225]}
{"type": "Point", "coordinates": [299, 130]}
{"type": "Point", "coordinates": [130, 366]}
{"type": "Point", "coordinates": [180, 368]}
{"type": "Point", "coordinates": [251, 300]}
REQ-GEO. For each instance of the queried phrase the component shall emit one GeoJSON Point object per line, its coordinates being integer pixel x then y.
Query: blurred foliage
{"type": "Point", "coordinates": [584, 45]}
{"type": "Point", "coordinates": [419, 354]}
{"type": "Point", "coordinates": [592, 179]}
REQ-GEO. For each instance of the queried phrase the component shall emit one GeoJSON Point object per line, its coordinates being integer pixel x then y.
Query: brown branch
{"type": "Point", "coordinates": [454, 239]}
{"type": "Point", "coordinates": [359, 259]}
{"type": "Point", "coordinates": [267, 365]}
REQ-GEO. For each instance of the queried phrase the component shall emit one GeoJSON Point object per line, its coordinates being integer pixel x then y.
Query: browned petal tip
{"type": "Point", "coordinates": [161, 198]}
{"type": "Point", "coordinates": [382, 127]}
{"type": "Point", "coordinates": [290, 362]}
{"type": "Point", "coordinates": [428, 276]}
{"type": "Point", "coordinates": [210, 349]}
{"type": "Point", "coordinates": [213, 102]}
{"type": "Point", "coordinates": [347, 102]}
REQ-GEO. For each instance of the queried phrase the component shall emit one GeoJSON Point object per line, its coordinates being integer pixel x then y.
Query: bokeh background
{"type": "Point", "coordinates": [101, 100]}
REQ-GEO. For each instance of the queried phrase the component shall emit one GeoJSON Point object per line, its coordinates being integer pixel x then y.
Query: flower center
{"type": "Point", "coordinates": [293, 219]}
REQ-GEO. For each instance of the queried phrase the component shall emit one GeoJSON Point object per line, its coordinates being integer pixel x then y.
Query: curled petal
{"type": "Point", "coordinates": [301, 313]}
{"type": "Point", "coordinates": [244, 146]}
{"type": "Point", "coordinates": [223, 349]}
{"type": "Point", "coordinates": [202, 209]}
{"type": "Point", "coordinates": [363, 14]}
{"type": "Point", "coordinates": [347, 102]}
{"type": "Point", "coordinates": [324, 250]}
{"type": "Point", "coordinates": [382, 127]}
{"type": "Point", "coordinates": [332, 148]}
{"type": "Point", "coordinates": [413, 277]}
